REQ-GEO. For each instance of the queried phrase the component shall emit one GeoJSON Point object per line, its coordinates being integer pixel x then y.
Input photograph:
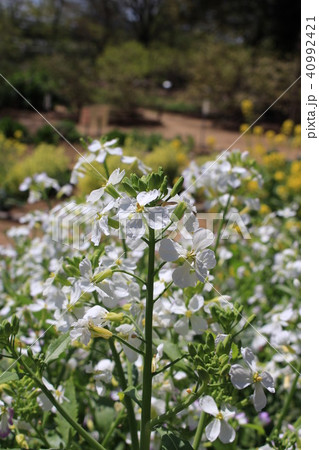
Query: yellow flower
{"type": "Point", "coordinates": [264, 209]}
{"type": "Point", "coordinates": [294, 183]}
{"type": "Point", "coordinates": [287, 127]}
{"type": "Point", "coordinates": [176, 143]}
{"type": "Point", "coordinates": [18, 134]}
{"type": "Point", "coordinates": [270, 134]}
{"type": "Point", "coordinates": [260, 149]}
{"type": "Point", "coordinates": [243, 127]}
{"type": "Point", "coordinates": [297, 130]}
{"type": "Point", "coordinates": [211, 142]}
{"type": "Point", "coordinates": [274, 160]}
{"type": "Point", "coordinates": [296, 141]}
{"type": "Point", "coordinates": [280, 138]}
{"type": "Point", "coordinates": [279, 175]}
{"type": "Point", "coordinates": [247, 107]}
{"type": "Point", "coordinates": [282, 191]}
{"type": "Point", "coordinates": [258, 130]}
{"type": "Point", "coordinates": [181, 158]}
{"type": "Point", "coordinates": [295, 167]}
{"type": "Point", "coordinates": [252, 185]}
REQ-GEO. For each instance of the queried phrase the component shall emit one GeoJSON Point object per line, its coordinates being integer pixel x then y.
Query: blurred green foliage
{"type": "Point", "coordinates": [81, 51]}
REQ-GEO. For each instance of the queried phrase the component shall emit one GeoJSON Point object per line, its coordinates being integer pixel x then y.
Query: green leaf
{"type": "Point", "coordinates": [172, 442]}
{"type": "Point", "coordinates": [57, 347]}
{"type": "Point", "coordinates": [71, 407]}
{"type": "Point", "coordinates": [260, 430]}
{"type": "Point", "coordinates": [104, 417]}
{"type": "Point", "coordinates": [131, 392]}
{"type": "Point", "coordinates": [235, 351]}
{"type": "Point", "coordinates": [5, 377]}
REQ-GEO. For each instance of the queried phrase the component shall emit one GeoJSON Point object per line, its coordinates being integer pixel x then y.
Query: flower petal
{"type": "Point", "coordinates": [144, 198]}
{"type": "Point", "coordinates": [240, 377]}
{"type": "Point", "coordinates": [268, 382]}
{"type": "Point", "coordinates": [167, 250]}
{"type": "Point", "coordinates": [202, 238]}
{"type": "Point", "coordinates": [184, 276]}
{"type": "Point", "coordinates": [227, 433]}
{"type": "Point", "coordinates": [259, 397]}
{"type": "Point", "coordinates": [208, 405]}
{"type": "Point", "coordinates": [249, 357]}
{"type": "Point", "coordinates": [95, 195]}
{"type": "Point", "coordinates": [212, 430]}
{"type": "Point", "coordinates": [199, 324]}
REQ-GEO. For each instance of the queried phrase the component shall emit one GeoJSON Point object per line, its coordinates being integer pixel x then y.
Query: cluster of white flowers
{"type": "Point", "coordinates": [97, 293]}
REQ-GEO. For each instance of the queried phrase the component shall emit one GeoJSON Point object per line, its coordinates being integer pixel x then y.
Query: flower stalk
{"type": "Point", "coordinates": [147, 370]}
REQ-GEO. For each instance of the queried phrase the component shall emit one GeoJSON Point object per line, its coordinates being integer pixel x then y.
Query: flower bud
{"type": "Point", "coordinates": [112, 191]}
{"type": "Point", "coordinates": [177, 186]}
{"type": "Point", "coordinates": [107, 273]}
{"type": "Point", "coordinates": [100, 332]}
{"type": "Point", "coordinates": [114, 317]}
{"type": "Point", "coordinates": [179, 210]}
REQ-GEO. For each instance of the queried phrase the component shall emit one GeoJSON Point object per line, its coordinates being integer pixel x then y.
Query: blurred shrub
{"type": "Point", "coordinates": [172, 156]}
{"type": "Point", "coordinates": [229, 74]}
{"type": "Point", "coordinates": [11, 151]}
{"type": "Point", "coordinates": [68, 129]}
{"type": "Point", "coordinates": [12, 129]}
{"type": "Point", "coordinates": [47, 135]}
{"type": "Point", "coordinates": [123, 68]}
{"type": "Point", "coordinates": [44, 158]}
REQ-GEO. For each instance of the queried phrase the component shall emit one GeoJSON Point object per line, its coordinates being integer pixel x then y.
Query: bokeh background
{"type": "Point", "coordinates": [174, 80]}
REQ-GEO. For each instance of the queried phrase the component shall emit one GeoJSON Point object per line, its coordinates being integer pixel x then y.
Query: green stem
{"type": "Point", "coordinates": [288, 401]}
{"type": "Point", "coordinates": [163, 292]}
{"type": "Point", "coordinates": [147, 370]}
{"type": "Point", "coordinates": [128, 401]}
{"type": "Point", "coordinates": [112, 427]}
{"type": "Point", "coordinates": [199, 431]}
{"type": "Point", "coordinates": [131, 275]}
{"type": "Point", "coordinates": [222, 223]}
{"type": "Point", "coordinates": [178, 408]}
{"type": "Point", "coordinates": [89, 439]}
{"type": "Point", "coordinates": [169, 365]}
{"type": "Point", "coordinates": [106, 169]}
{"type": "Point", "coordinates": [124, 342]}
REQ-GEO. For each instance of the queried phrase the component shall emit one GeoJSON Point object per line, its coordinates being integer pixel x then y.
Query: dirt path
{"type": "Point", "coordinates": [172, 125]}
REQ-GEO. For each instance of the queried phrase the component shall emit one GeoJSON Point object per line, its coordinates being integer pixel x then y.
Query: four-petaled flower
{"type": "Point", "coordinates": [197, 259]}
{"type": "Point", "coordinates": [219, 427]}
{"type": "Point", "coordinates": [241, 378]}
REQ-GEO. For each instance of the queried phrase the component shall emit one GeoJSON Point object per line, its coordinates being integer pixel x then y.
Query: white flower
{"type": "Point", "coordinates": [140, 165]}
{"type": "Point", "coordinates": [133, 213]}
{"type": "Point", "coordinates": [82, 328]}
{"type": "Point", "coordinates": [102, 150]}
{"type": "Point", "coordinates": [197, 323]}
{"type": "Point", "coordinates": [241, 378]}
{"type": "Point", "coordinates": [114, 179]}
{"type": "Point", "coordinates": [127, 332]}
{"type": "Point", "coordinates": [6, 415]}
{"type": "Point", "coordinates": [219, 427]}
{"type": "Point", "coordinates": [58, 394]}
{"type": "Point", "coordinates": [102, 373]}
{"type": "Point", "coordinates": [198, 259]}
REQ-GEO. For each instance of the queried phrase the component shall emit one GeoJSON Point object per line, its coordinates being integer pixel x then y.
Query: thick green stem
{"type": "Point", "coordinates": [128, 402]}
{"type": "Point", "coordinates": [89, 439]}
{"type": "Point", "coordinates": [199, 431]}
{"type": "Point", "coordinates": [147, 370]}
